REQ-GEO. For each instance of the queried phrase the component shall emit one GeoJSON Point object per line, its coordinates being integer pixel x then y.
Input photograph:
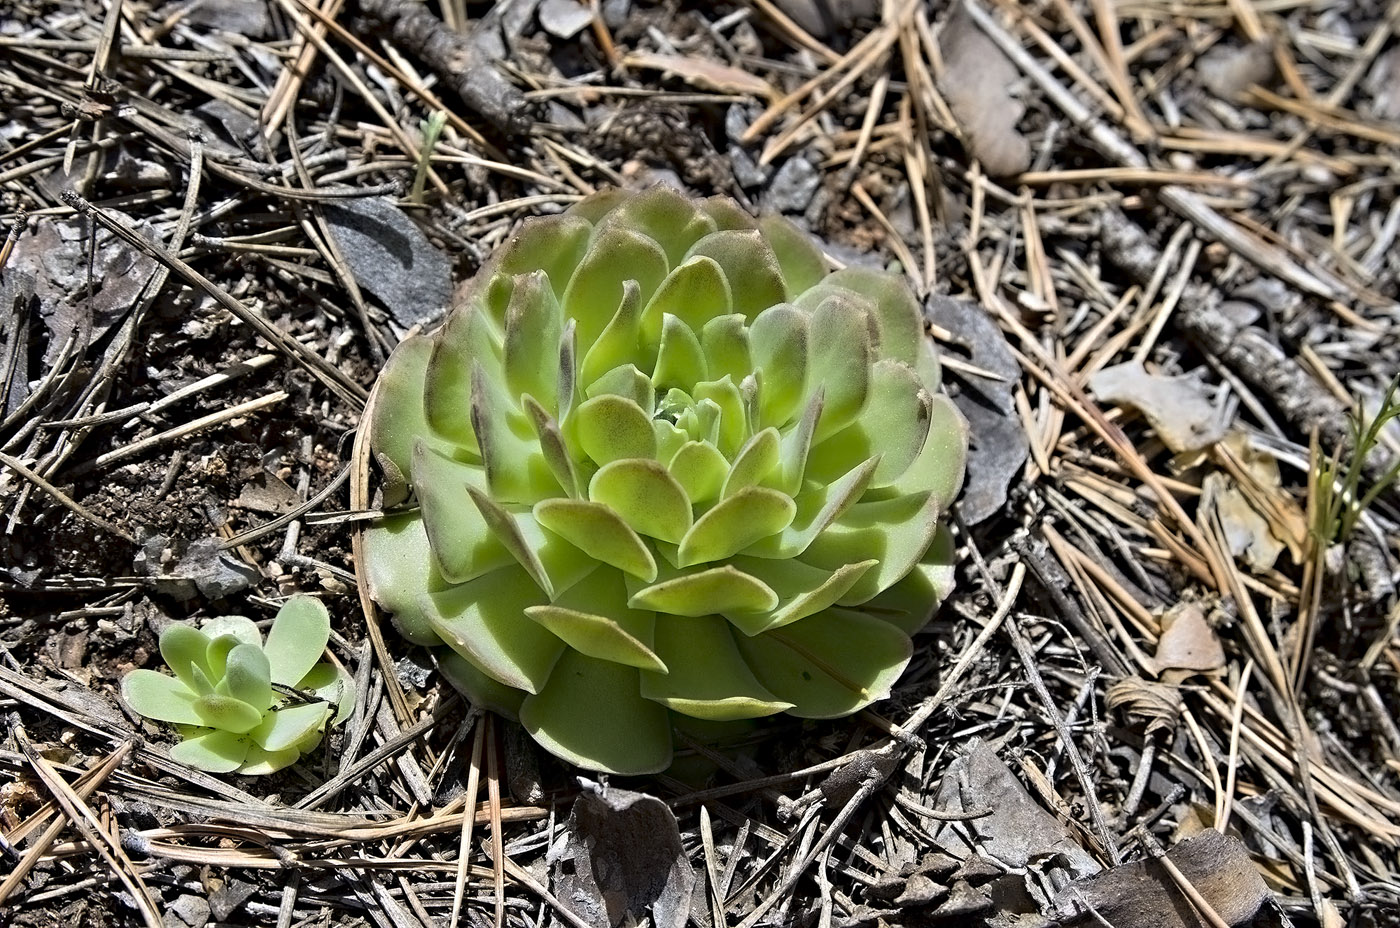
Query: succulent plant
{"type": "Point", "coordinates": [243, 704]}
{"type": "Point", "coordinates": [658, 460]}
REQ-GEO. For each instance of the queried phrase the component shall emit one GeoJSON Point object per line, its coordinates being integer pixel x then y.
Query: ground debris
{"type": "Point", "coordinates": [621, 860]}
{"type": "Point", "coordinates": [1145, 894]}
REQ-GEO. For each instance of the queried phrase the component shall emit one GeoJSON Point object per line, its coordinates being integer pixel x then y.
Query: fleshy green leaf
{"type": "Point", "coordinates": [755, 462]}
{"type": "Point", "coordinates": [553, 563]}
{"type": "Point", "coordinates": [240, 627]}
{"type": "Point", "coordinates": [260, 763]}
{"type": "Point", "coordinates": [399, 566]}
{"type": "Point", "coordinates": [283, 728]}
{"type": "Point", "coordinates": [463, 545]}
{"type": "Point", "coordinates": [484, 621]}
{"type": "Point", "coordinates": [803, 590]}
{"type": "Point", "coordinates": [700, 469]}
{"type": "Point", "coordinates": [618, 342]}
{"type": "Point", "coordinates": [482, 690]}
{"type": "Point", "coordinates": [695, 292]}
{"type": "Point", "coordinates": [701, 421]}
{"type": "Point", "coordinates": [669, 439]}
{"type": "Point", "coordinates": [797, 445]}
{"type": "Point", "coordinates": [553, 244]}
{"type": "Point", "coordinates": [647, 497]}
{"type": "Point", "coordinates": [814, 665]}
{"type": "Point", "coordinates": [599, 530]}
{"type": "Point", "coordinates": [665, 215]}
{"type": "Point", "coordinates": [726, 343]}
{"type": "Point", "coordinates": [708, 677]}
{"type": "Point", "coordinates": [680, 361]}
{"type": "Point", "coordinates": [816, 509]}
{"type": "Point", "coordinates": [568, 371]}
{"type": "Point", "coordinates": [596, 206]}
{"type": "Point", "coordinates": [515, 470]}
{"type": "Point", "coordinates": [895, 531]}
{"type": "Point", "coordinates": [735, 523]}
{"type": "Point", "coordinates": [298, 636]}
{"type": "Point", "coordinates": [397, 416]}
{"type": "Point", "coordinates": [727, 214]}
{"type": "Point", "coordinates": [840, 356]}
{"type": "Point", "coordinates": [897, 315]}
{"type": "Point", "coordinates": [227, 713]}
{"type": "Point", "coordinates": [941, 464]}
{"type": "Point", "coordinates": [552, 447]}
{"type": "Point", "coordinates": [755, 279]}
{"type": "Point", "coordinates": [722, 589]}
{"type": "Point", "coordinates": [592, 714]}
{"type": "Point", "coordinates": [733, 422]}
{"type": "Point", "coordinates": [594, 619]}
{"type": "Point", "coordinates": [595, 291]}
{"type": "Point", "coordinates": [213, 752]}
{"type": "Point", "coordinates": [909, 603]}
{"type": "Point", "coordinates": [628, 382]}
{"type": "Point", "coordinates": [611, 428]}
{"type": "Point", "coordinates": [185, 651]}
{"type": "Point", "coordinates": [159, 697]}
{"type": "Point", "coordinates": [248, 676]}
{"type": "Point", "coordinates": [466, 340]}
{"type": "Point", "coordinates": [892, 427]}
{"type": "Point", "coordinates": [799, 257]}
{"type": "Point", "coordinates": [778, 343]}
{"type": "Point", "coordinates": [533, 324]}
{"type": "Point", "coordinates": [216, 657]}
{"type": "Point", "coordinates": [327, 682]}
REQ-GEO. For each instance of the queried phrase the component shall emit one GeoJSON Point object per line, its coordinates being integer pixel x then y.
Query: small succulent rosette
{"type": "Point", "coordinates": [659, 460]}
{"type": "Point", "coordinates": [242, 704]}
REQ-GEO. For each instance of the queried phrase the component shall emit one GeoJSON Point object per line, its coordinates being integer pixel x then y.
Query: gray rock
{"type": "Point", "coordinates": [748, 172]}
{"type": "Point", "coordinates": [204, 570]}
{"type": "Point", "coordinates": [187, 912]}
{"type": "Point", "coordinates": [998, 445]}
{"type": "Point", "coordinates": [615, 13]}
{"type": "Point", "coordinates": [391, 258]}
{"type": "Point", "coordinates": [621, 859]}
{"type": "Point", "coordinates": [793, 186]}
{"type": "Point", "coordinates": [228, 897]}
{"type": "Point", "coordinates": [564, 18]}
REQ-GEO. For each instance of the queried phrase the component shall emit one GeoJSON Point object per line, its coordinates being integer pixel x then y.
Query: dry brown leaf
{"type": "Point", "coordinates": [975, 78]}
{"type": "Point", "coordinates": [1155, 704]}
{"type": "Point", "coordinates": [703, 72]}
{"type": "Point", "coordinates": [1246, 531]}
{"type": "Point", "coordinates": [1188, 642]}
{"type": "Point", "coordinates": [1183, 417]}
{"type": "Point", "coordinates": [1142, 894]}
{"type": "Point", "coordinates": [1255, 475]}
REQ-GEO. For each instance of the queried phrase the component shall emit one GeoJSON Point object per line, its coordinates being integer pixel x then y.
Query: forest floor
{"type": "Point", "coordinates": [1157, 246]}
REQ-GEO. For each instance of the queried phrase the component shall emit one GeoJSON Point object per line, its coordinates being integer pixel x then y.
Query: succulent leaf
{"type": "Point", "coordinates": [156, 696]}
{"type": "Point", "coordinates": [213, 751]}
{"type": "Point", "coordinates": [248, 675]}
{"type": "Point", "coordinates": [665, 465]}
{"type": "Point", "coordinates": [708, 678]}
{"type": "Point", "coordinates": [282, 728]}
{"type": "Point", "coordinates": [399, 565]}
{"type": "Point", "coordinates": [298, 636]}
{"type": "Point", "coordinates": [592, 713]}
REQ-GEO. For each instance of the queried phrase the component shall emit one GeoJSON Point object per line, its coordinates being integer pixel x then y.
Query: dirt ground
{"type": "Point", "coordinates": [1155, 243]}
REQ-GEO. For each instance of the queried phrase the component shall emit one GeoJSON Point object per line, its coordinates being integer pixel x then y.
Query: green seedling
{"type": "Point", "coordinates": [1337, 485]}
{"type": "Point", "coordinates": [242, 704]}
